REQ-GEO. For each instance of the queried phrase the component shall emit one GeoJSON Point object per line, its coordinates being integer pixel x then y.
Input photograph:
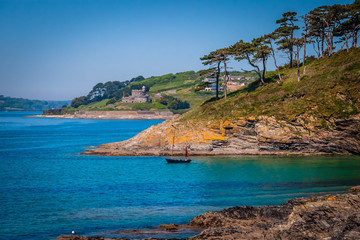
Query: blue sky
{"type": "Point", "coordinates": [59, 49]}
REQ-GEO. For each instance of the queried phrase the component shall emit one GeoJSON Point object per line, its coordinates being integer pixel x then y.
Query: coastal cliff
{"type": "Point", "coordinates": [262, 135]}
{"type": "Point", "coordinates": [320, 114]}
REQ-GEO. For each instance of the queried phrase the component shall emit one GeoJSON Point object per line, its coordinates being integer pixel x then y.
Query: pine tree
{"type": "Point", "coordinates": [286, 33]}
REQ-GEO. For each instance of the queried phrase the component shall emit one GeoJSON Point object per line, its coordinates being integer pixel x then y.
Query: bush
{"type": "Point", "coordinates": [111, 101]}
{"type": "Point", "coordinates": [174, 103]}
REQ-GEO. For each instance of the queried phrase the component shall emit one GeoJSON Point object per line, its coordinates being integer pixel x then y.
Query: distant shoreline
{"type": "Point", "coordinates": [126, 115]}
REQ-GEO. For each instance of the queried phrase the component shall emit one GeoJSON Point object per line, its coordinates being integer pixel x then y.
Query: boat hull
{"type": "Point", "coordinates": [169, 160]}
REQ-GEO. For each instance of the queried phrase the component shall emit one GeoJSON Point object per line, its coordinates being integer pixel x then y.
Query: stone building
{"type": "Point", "coordinates": [137, 96]}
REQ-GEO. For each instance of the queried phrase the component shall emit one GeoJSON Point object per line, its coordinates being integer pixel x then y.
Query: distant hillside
{"type": "Point", "coordinates": [178, 92]}
{"type": "Point", "coordinates": [320, 114]}
{"type": "Point", "coordinates": [21, 104]}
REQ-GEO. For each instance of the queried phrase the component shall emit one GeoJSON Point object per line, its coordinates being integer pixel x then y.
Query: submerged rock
{"type": "Point", "coordinates": [325, 217]}
{"type": "Point", "coordinates": [320, 217]}
{"type": "Point", "coordinates": [355, 189]}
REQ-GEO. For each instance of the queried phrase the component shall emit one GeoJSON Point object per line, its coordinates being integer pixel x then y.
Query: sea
{"type": "Point", "coordinates": [47, 188]}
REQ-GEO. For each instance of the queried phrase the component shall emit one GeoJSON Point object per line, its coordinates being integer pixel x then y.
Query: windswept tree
{"type": "Point", "coordinates": [225, 54]}
{"type": "Point", "coordinates": [305, 35]}
{"type": "Point", "coordinates": [269, 39]}
{"type": "Point", "coordinates": [286, 33]}
{"type": "Point", "coordinates": [343, 32]}
{"type": "Point", "coordinates": [255, 53]}
{"type": "Point", "coordinates": [332, 17]}
{"type": "Point", "coordinates": [298, 44]}
{"type": "Point", "coordinates": [352, 24]}
{"type": "Point", "coordinates": [214, 59]}
{"type": "Point", "coordinates": [316, 33]}
{"type": "Point", "coordinates": [262, 52]}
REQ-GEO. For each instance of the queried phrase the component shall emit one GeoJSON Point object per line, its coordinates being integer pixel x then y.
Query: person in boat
{"type": "Point", "coordinates": [186, 152]}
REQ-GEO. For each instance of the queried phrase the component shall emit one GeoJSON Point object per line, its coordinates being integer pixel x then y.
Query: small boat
{"type": "Point", "coordinates": [172, 160]}
{"type": "Point", "coordinates": [185, 160]}
{"type": "Point", "coordinates": [169, 160]}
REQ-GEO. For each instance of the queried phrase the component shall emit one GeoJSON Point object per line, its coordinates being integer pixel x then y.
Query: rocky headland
{"type": "Point", "coordinates": [317, 217]}
{"type": "Point", "coordinates": [132, 115]}
{"type": "Point", "coordinates": [260, 135]}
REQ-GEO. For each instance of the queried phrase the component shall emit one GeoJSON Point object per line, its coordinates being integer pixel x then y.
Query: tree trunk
{"type": "Point", "coordinates": [291, 48]}
{"type": "Point", "coordinates": [264, 67]}
{"type": "Point", "coordinates": [355, 41]}
{"type": "Point", "coordinates": [257, 69]}
{"type": "Point", "coordinates": [217, 80]}
{"type": "Point", "coordinates": [275, 63]}
{"type": "Point", "coordinates": [304, 59]}
{"type": "Point", "coordinates": [298, 63]}
{"type": "Point", "coordinates": [317, 52]}
{"type": "Point", "coordinates": [322, 44]}
{"type": "Point", "coordinates": [355, 38]}
{"type": "Point", "coordinates": [331, 43]}
{"type": "Point", "coordinates": [346, 43]}
{"type": "Point", "coordinates": [225, 80]}
{"type": "Point", "coordinates": [291, 57]}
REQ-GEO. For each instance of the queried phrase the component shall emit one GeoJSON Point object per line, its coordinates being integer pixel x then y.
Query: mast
{"type": "Point", "coordinates": [173, 143]}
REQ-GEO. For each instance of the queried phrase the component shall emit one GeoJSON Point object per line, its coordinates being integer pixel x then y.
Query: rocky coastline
{"type": "Point", "coordinates": [130, 115]}
{"type": "Point", "coordinates": [262, 135]}
{"type": "Point", "coordinates": [335, 216]}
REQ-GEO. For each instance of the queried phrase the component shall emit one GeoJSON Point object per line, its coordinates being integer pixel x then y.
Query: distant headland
{"type": "Point", "coordinates": [317, 115]}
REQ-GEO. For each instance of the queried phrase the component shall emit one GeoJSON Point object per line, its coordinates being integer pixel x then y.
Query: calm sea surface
{"type": "Point", "coordinates": [48, 189]}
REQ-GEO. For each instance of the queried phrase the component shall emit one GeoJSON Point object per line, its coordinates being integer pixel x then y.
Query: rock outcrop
{"type": "Point", "coordinates": [263, 135]}
{"type": "Point", "coordinates": [325, 217]}
{"type": "Point", "coordinates": [320, 217]}
{"type": "Point", "coordinates": [355, 189]}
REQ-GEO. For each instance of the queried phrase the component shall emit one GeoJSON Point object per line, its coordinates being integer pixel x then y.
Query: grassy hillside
{"type": "Point", "coordinates": [180, 86]}
{"type": "Point", "coordinates": [330, 88]}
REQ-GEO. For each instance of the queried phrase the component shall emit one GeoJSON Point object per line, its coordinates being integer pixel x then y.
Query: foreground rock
{"type": "Point", "coordinates": [264, 135]}
{"type": "Point", "coordinates": [321, 217]}
{"type": "Point", "coordinates": [325, 217]}
{"type": "Point", "coordinates": [355, 189]}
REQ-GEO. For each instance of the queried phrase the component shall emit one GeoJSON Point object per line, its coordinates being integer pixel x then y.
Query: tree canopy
{"type": "Point", "coordinates": [326, 28]}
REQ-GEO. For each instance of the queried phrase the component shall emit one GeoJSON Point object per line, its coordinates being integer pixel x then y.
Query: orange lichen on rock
{"type": "Point", "coordinates": [212, 136]}
{"type": "Point", "coordinates": [241, 122]}
{"type": "Point", "coordinates": [262, 139]}
{"type": "Point", "coordinates": [188, 137]}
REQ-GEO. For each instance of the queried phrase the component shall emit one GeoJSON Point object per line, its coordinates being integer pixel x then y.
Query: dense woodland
{"type": "Point", "coordinates": [325, 29]}
{"type": "Point", "coordinates": [115, 90]}
{"type": "Point", "coordinates": [110, 90]}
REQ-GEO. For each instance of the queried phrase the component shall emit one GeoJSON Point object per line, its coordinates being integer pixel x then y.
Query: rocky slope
{"type": "Point", "coordinates": [325, 217]}
{"type": "Point", "coordinates": [321, 217]}
{"type": "Point", "coordinates": [320, 114]}
{"type": "Point", "coordinates": [261, 135]}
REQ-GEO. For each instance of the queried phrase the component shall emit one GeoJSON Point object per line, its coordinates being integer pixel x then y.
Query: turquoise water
{"type": "Point", "coordinates": [48, 189]}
